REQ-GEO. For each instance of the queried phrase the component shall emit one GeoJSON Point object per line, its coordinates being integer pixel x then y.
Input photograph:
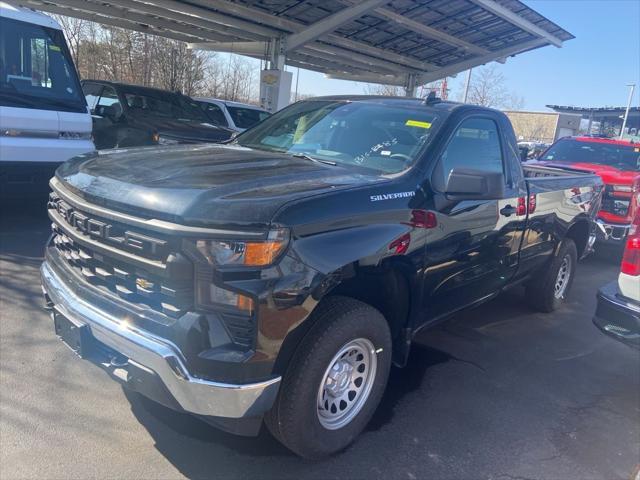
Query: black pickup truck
{"type": "Point", "coordinates": [277, 277]}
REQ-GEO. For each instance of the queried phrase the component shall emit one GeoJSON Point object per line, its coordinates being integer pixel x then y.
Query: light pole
{"type": "Point", "coordinates": [626, 113]}
{"type": "Point", "coordinates": [466, 86]}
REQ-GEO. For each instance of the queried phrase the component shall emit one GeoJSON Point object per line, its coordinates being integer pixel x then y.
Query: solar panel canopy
{"type": "Point", "coordinates": [399, 42]}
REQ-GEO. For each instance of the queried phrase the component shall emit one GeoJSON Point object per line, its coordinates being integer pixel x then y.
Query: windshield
{"type": "Point", "coordinates": [622, 157]}
{"type": "Point", "coordinates": [386, 138]}
{"type": "Point", "coordinates": [163, 104]}
{"type": "Point", "coordinates": [36, 70]}
{"type": "Point", "coordinates": [246, 117]}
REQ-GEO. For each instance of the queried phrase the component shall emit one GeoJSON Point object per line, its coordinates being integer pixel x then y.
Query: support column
{"type": "Point", "coordinates": [275, 82]}
{"type": "Point", "coordinates": [410, 85]}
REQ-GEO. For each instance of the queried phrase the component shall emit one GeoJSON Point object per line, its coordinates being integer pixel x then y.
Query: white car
{"type": "Point", "coordinates": [234, 115]}
{"type": "Point", "coordinates": [44, 118]}
{"type": "Point", "coordinates": [618, 311]}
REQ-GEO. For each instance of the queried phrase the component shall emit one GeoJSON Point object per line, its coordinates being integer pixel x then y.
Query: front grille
{"type": "Point", "coordinates": [618, 206]}
{"type": "Point", "coordinates": [142, 269]}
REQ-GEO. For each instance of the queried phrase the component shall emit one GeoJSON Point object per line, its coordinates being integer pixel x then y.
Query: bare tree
{"type": "Point", "coordinates": [111, 53]}
{"type": "Point", "coordinates": [513, 102]}
{"type": "Point", "coordinates": [488, 88]}
{"type": "Point", "coordinates": [74, 30]}
{"type": "Point", "coordinates": [178, 68]}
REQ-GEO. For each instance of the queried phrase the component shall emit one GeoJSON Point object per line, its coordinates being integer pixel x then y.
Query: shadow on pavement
{"type": "Point", "coordinates": [469, 339]}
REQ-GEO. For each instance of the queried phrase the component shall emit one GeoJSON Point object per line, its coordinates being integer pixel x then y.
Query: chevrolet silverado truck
{"type": "Point", "coordinates": [277, 277]}
{"type": "Point", "coordinates": [617, 162]}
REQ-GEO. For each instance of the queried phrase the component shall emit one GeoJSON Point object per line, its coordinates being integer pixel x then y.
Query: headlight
{"type": "Point", "coordinates": [210, 295]}
{"type": "Point", "coordinates": [254, 254]}
{"type": "Point", "coordinates": [622, 188]}
{"type": "Point", "coordinates": [160, 140]}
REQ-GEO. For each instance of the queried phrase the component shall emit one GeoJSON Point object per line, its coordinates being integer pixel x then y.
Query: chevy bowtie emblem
{"type": "Point", "coordinates": [142, 283]}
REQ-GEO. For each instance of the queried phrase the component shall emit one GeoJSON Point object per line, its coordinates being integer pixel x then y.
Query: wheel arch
{"type": "Point", "coordinates": [579, 232]}
{"type": "Point", "coordinates": [387, 287]}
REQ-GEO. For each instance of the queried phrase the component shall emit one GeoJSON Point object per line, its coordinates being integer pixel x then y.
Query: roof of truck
{"type": "Point", "coordinates": [132, 86]}
{"type": "Point", "coordinates": [229, 103]}
{"type": "Point", "coordinates": [27, 15]}
{"type": "Point", "coordinates": [442, 105]}
{"type": "Point", "coordinates": [610, 141]}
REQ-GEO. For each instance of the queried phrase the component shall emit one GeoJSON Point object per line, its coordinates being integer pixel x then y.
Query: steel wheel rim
{"type": "Point", "coordinates": [562, 280]}
{"type": "Point", "coordinates": [346, 384]}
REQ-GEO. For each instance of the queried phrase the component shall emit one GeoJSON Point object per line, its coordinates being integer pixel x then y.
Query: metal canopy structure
{"type": "Point", "coordinates": [607, 118]}
{"type": "Point", "coordinates": [398, 42]}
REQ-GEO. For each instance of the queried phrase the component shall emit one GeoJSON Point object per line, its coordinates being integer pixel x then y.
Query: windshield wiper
{"type": "Point", "coordinates": [317, 160]}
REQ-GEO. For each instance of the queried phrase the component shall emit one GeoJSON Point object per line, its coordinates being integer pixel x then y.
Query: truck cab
{"type": "Point", "coordinates": [44, 119]}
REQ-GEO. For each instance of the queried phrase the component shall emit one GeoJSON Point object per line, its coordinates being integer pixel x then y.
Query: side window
{"type": "Point", "coordinates": [39, 61]}
{"type": "Point", "coordinates": [109, 103]}
{"type": "Point", "coordinates": [474, 145]}
{"type": "Point", "coordinates": [215, 114]}
{"type": "Point", "coordinates": [91, 94]}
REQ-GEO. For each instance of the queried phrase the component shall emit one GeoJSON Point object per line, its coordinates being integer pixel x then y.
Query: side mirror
{"type": "Point", "coordinates": [524, 154]}
{"type": "Point", "coordinates": [470, 184]}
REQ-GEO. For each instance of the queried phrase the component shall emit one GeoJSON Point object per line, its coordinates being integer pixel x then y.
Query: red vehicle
{"type": "Point", "coordinates": [617, 162]}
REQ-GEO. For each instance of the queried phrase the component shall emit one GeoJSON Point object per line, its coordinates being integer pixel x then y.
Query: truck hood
{"type": "Point", "coordinates": [610, 175]}
{"type": "Point", "coordinates": [191, 131]}
{"type": "Point", "coordinates": [202, 184]}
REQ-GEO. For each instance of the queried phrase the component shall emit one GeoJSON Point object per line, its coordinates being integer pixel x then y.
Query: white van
{"type": "Point", "coordinates": [44, 118]}
{"type": "Point", "coordinates": [234, 115]}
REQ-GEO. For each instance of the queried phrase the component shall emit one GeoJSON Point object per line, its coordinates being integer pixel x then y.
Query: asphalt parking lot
{"type": "Point", "coordinates": [499, 392]}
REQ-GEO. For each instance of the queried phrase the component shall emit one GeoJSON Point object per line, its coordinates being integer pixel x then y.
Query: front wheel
{"type": "Point", "coordinates": [547, 291]}
{"type": "Point", "coordinates": [335, 379]}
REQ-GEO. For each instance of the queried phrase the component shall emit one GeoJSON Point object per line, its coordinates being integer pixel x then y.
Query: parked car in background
{"type": "Point", "coordinates": [279, 276]}
{"type": "Point", "coordinates": [130, 115]}
{"type": "Point", "coordinates": [618, 311]}
{"type": "Point", "coordinates": [618, 164]}
{"type": "Point", "coordinates": [43, 115]}
{"type": "Point", "coordinates": [234, 115]}
{"type": "Point", "coordinates": [532, 150]}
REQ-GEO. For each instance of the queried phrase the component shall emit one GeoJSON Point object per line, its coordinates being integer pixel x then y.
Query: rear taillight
{"type": "Point", "coordinates": [631, 257]}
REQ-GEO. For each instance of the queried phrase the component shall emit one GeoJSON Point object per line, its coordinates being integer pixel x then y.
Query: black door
{"type": "Point", "coordinates": [107, 116]}
{"type": "Point", "coordinates": [473, 252]}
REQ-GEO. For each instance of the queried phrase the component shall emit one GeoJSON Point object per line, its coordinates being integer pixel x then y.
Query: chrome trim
{"type": "Point", "coordinates": [193, 394]}
{"type": "Point", "coordinates": [13, 133]}
{"type": "Point", "coordinates": [608, 231]}
{"type": "Point", "coordinates": [51, 134]}
{"type": "Point", "coordinates": [161, 226]}
{"type": "Point", "coordinates": [103, 248]}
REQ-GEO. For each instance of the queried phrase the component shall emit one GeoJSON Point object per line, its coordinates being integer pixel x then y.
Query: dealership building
{"type": "Point", "coordinates": [605, 120]}
{"type": "Point", "coordinates": [543, 127]}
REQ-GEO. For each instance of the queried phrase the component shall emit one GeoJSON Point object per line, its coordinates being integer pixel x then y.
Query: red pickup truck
{"type": "Point", "coordinates": [617, 162]}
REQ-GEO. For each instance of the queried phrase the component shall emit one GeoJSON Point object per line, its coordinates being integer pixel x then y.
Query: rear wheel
{"type": "Point", "coordinates": [547, 291]}
{"type": "Point", "coordinates": [335, 379]}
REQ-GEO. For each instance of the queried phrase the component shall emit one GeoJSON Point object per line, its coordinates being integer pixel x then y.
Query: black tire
{"type": "Point", "coordinates": [541, 291]}
{"type": "Point", "coordinates": [294, 419]}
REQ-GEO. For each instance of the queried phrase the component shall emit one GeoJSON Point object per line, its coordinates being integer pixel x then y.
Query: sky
{"type": "Point", "coordinates": [592, 70]}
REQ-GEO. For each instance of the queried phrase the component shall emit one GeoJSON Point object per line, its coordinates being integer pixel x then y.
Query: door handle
{"type": "Point", "coordinates": [508, 211]}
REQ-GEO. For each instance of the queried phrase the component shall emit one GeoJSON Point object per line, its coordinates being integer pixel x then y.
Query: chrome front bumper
{"type": "Point", "coordinates": [194, 395]}
{"type": "Point", "coordinates": [611, 233]}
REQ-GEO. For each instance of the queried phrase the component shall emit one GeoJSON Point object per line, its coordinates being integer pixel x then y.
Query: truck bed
{"type": "Point", "coordinates": [536, 171]}
{"type": "Point", "coordinates": [544, 179]}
